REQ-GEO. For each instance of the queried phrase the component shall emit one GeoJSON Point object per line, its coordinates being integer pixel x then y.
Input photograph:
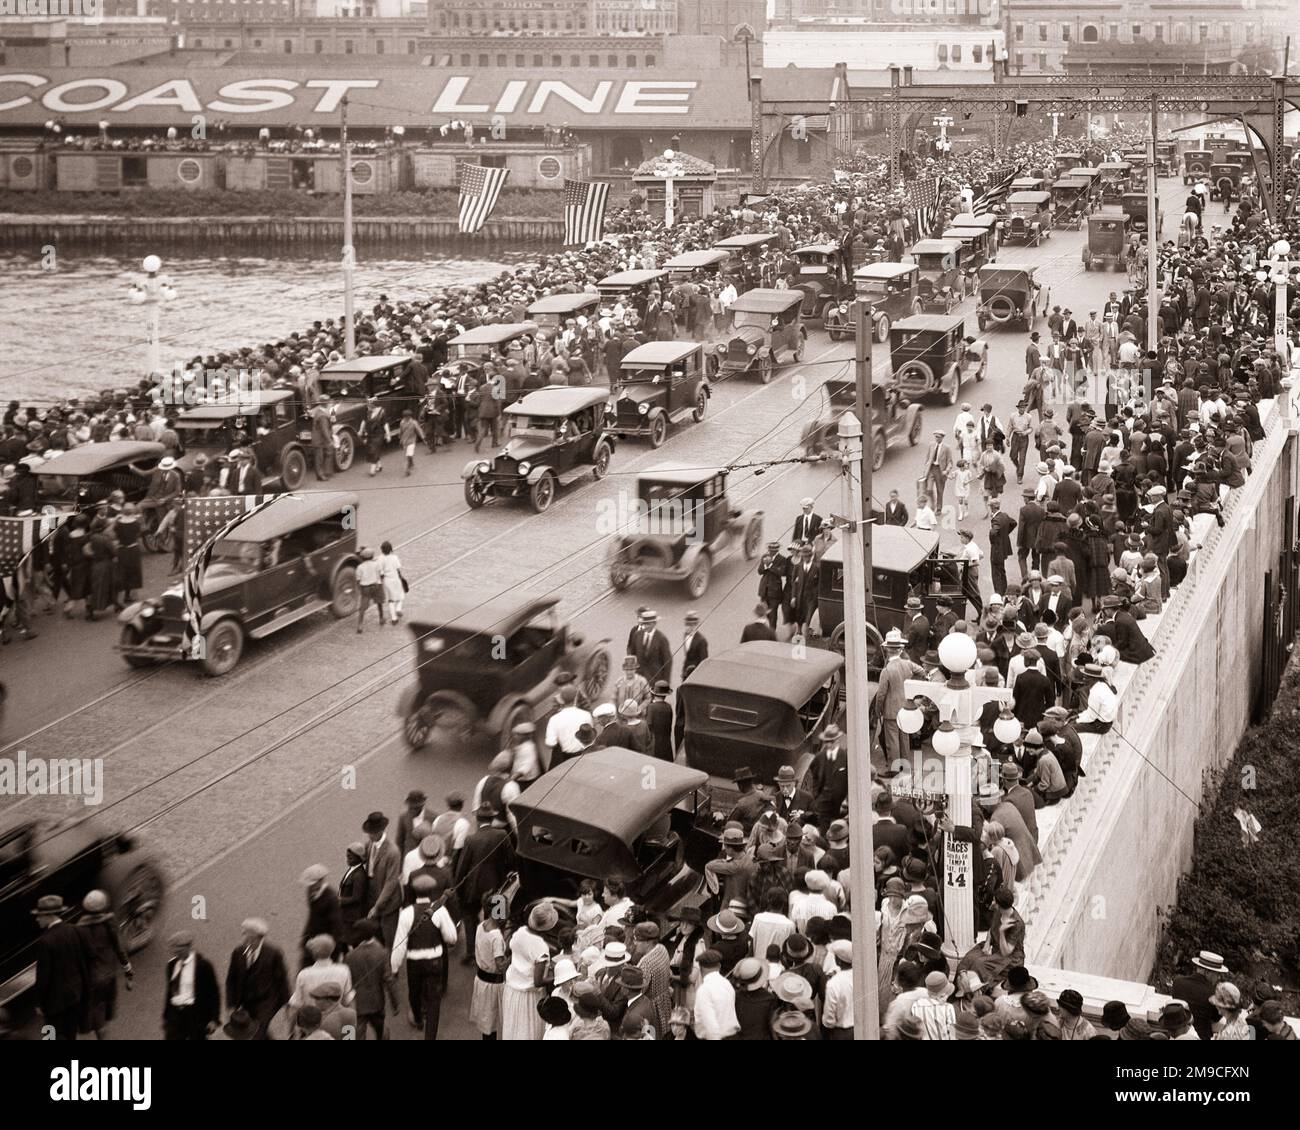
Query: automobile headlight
{"type": "Point", "coordinates": [524, 468]}
{"type": "Point", "coordinates": [644, 409]}
{"type": "Point", "coordinates": [185, 617]}
{"type": "Point", "coordinates": [844, 309]}
{"type": "Point", "coordinates": [722, 347]}
{"type": "Point", "coordinates": [751, 350]}
{"type": "Point", "coordinates": [483, 468]}
{"type": "Point", "coordinates": [148, 610]}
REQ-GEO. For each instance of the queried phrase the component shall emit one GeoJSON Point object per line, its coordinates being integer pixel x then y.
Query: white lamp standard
{"type": "Point", "coordinates": [1056, 123]}
{"type": "Point", "coordinates": [669, 169]}
{"type": "Point", "coordinates": [943, 121]}
{"type": "Point", "coordinates": [153, 291]}
{"type": "Point", "coordinates": [1279, 265]}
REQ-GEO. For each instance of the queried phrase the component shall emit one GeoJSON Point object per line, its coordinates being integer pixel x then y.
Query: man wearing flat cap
{"type": "Point", "coordinates": [192, 998]}
{"type": "Point", "coordinates": [257, 979]}
{"type": "Point", "coordinates": [323, 913]}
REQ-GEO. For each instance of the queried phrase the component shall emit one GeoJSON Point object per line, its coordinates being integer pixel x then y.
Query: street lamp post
{"type": "Point", "coordinates": [153, 291]}
{"type": "Point", "coordinates": [670, 169]}
{"type": "Point", "coordinates": [943, 121]}
{"type": "Point", "coordinates": [1279, 265]}
{"type": "Point", "coordinates": [1056, 124]}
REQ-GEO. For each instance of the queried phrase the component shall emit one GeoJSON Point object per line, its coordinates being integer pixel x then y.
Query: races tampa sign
{"type": "Point", "coordinates": [414, 96]}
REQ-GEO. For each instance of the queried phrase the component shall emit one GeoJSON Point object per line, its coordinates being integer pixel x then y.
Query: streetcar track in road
{"type": "Point", "coordinates": [254, 671]}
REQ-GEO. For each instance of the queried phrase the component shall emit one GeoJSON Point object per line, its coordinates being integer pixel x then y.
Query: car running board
{"type": "Point", "coordinates": [291, 616]}
{"type": "Point", "coordinates": [573, 474]}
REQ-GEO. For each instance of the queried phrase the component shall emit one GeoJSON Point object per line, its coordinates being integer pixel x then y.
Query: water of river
{"type": "Point", "coordinates": [71, 329]}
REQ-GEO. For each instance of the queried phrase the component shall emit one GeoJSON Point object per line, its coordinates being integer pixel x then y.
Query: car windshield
{"type": "Point", "coordinates": [206, 434]}
{"type": "Point", "coordinates": [235, 557]}
{"type": "Point", "coordinates": [757, 318]}
{"type": "Point", "coordinates": [873, 288]}
{"type": "Point", "coordinates": [667, 510]}
{"type": "Point", "coordinates": [653, 376]}
{"type": "Point", "coordinates": [535, 427]}
{"type": "Point", "coordinates": [934, 262]}
{"type": "Point", "coordinates": [472, 352]}
{"type": "Point", "coordinates": [57, 486]}
{"type": "Point", "coordinates": [1024, 209]}
{"type": "Point", "coordinates": [350, 386]}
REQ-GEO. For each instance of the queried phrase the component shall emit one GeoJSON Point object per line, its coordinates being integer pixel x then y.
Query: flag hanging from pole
{"type": "Point", "coordinates": [479, 189]}
{"type": "Point", "coordinates": [995, 192]}
{"type": "Point", "coordinates": [19, 538]}
{"type": "Point", "coordinates": [923, 197]}
{"type": "Point", "coordinates": [207, 521]}
{"type": "Point", "coordinates": [584, 210]}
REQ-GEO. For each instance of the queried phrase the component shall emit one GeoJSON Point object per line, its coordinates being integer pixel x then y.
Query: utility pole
{"type": "Point", "coordinates": [862, 408]}
{"type": "Point", "coordinates": [866, 995]}
{"type": "Point", "coordinates": [1153, 230]}
{"type": "Point", "coordinates": [349, 251]}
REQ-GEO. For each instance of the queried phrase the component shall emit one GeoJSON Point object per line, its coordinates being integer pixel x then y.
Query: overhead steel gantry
{"type": "Point", "coordinates": [1258, 102]}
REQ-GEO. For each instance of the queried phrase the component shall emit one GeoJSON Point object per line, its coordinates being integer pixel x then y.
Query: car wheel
{"type": "Point", "coordinates": [416, 727]}
{"type": "Point", "coordinates": [879, 445]}
{"type": "Point", "coordinates": [914, 432]}
{"type": "Point", "coordinates": [837, 638]}
{"type": "Point", "coordinates": [345, 451]}
{"type": "Point", "coordinates": [799, 349]}
{"type": "Point", "coordinates": [697, 582]}
{"type": "Point", "coordinates": [701, 406]}
{"type": "Point", "coordinates": [138, 901]}
{"type": "Point", "coordinates": [543, 492]}
{"type": "Point", "coordinates": [293, 469]}
{"type": "Point", "coordinates": [132, 637]}
{"type": "Point", "coordinates": [475, 493]}
{"type": "Point", "coordinates": [753, 538]}
{"type": "Point", "coordinates": [827, 309]}
{"type": "Point", "coordinates": [519, 713]}
{"type": "Point", "coordinates": [658, 429]}
{"type": "Point", "coordinates": [600, 464]}
{"type": "Point", "coordinates": [766, 370]}
{"type": "Point", "coordinates": [595, 675]}
{"type": "Point", "coordinates": [345, 596]}
{"type": "Point", "coordinates": [882, 329]}
{"type": "Point", "coordinates": [222, 648]}
{"type": "Point", "coordinates": [620, 576]}
{"type": "Point", "coordinates": [955, 394]}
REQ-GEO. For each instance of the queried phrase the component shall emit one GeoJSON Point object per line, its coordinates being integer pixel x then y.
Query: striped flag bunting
{"type": "Point", "coordinates": [19, 537]}
{"type": "Point", "coordinates": [584, 210]}
{"type": "Point", "coordinates": [479, 189]}
{"type": "Point", "coordinates": [923, 197]}
{"type": "Point", "coordinates": [207, 521]}
{"type": "Point", "coordinates": [995, 192]}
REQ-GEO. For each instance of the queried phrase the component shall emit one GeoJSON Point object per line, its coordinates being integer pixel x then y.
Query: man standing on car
{"type": "Point", "coordinates": [322, 438]}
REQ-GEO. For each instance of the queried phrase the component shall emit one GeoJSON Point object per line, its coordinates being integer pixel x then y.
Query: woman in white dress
{"type": "Point", "coordinates": [390, 576]}
{"type": "Point", "coordinates": [522, 992]}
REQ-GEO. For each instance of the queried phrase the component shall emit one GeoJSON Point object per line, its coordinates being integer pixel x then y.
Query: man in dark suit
{"type": "Point", "coordinates": [324, 915]}
{"type": "Point", "coordinates": [257, 980]}
{"type": "Point", "coordinates": [1195, 990]}
{"type": "Point", "coordinates": [241, 476]}
{"type": "Point", "coordinates": [1160, 534]}
{"type": "Point", "coordinates": [895, 512]}
{"type": "Point", "coordinates": [1069, 327]}
{"type": "Point", "coordinates": [918, 629]}
{"type": "Point", "coordinates": [62, 971]}
{"type": "Point", "coordinates": [808, 525]}
{"type": "Point", "coordinates": [759, 628]}
{"type": "Point", "coordinates": [1031, 518]}
{"type": "Point", "coordinates": [191, 997]}
{"type": "Point", "coordinates": [1000, 526]}
{"type": "Point", "coordinates": [791, 800]}
{"type": "Point", "coordinates": [384, 872]}
{"type": "Point", "coordinates": [1123, 631]}
{"type": "Point", "coordinates": [372, 978]}
{"type": "Point", "coordinates": [773, 576]}
{"type": "Point", "coordinates": [486, 859]}
{"type": "Point", "coordinates": [659, 721]}
{"type": "Point", "coordinates": [695, 648]}
{"type": "Point", "coordinates": [353, 889]}
{"type": "Point", "coordinates": [654, 655]}
{"type": "Point", "coordinates": [802, 598]}
{"type": "Point", "coordinates": [1034, 692]}
{"type": "Point", "coordinates": [828, 777]}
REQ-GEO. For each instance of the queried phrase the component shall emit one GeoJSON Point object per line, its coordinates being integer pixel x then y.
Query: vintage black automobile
{"type": "Point", "coordinates": [904, 563]}
{"type": "Point", "coordinates": [1240, 157]}
{"type": "Point", "coordinates": [486, 343]}
{"type": "Point", "coordinates": [659, 384]}
{"type": "Point", "coordinates": [683, 526]}
{"type": "Point", "coordinates": [82, 478]}
{"type": "Point", "coordinates": [890, 291]}
{"type": "Point", "coordinates": [931, 356]}
{"type": "Point", "coordinates": [595, 817]}
{"type": "Point", "coordinates": [745, 268]}
{"type": "Point", "coordinates": [632, 288]}
{"type": "Point", "coordinates": [484, 666]}
{"type": "Point", "coordinates": [1070, 202]}
{"type": "Point", "coordinates": [1166, 158]}
{"type": "Point", "coordinates": [1225, 180]}
{"type": "Point", "coordinates": [1091, 175]}
{"type": "Point", "coordinates": [762, 705]}
{"type": "Point", "coordinates": [1064, 161]}
{"type": "Point", "coordinates": [551, 311]}
{"type": "Point", "coordinates": [289, 561]}
{"type": "Point", "coordinates": [977, 249]}
{"type": "Point", "coordinates": [892, 418]}
{"type": "Point", "coordinates": [1009, 295]}
{"type": "Point", "coordinates": [350, 382]}
{"type": "Point", "coordinates": [557, 435]}
{"type": "Point", "coordinates": [1108, 239]}
{"type": "Point", "coordinates": [941, 275]}
{"type": "Point", "coordinates": [1115, 179]}
{"type": "Point", "coordinates": [1027, 184]}
{"type": "Point", "coordinates": [823, 276]}
{"type": "Point", "coordinates": [709, 263]}
{"type": "Point", "coordinates": [275, 425]}
{"type": "Point", "coordinates": [1196, 164]}
{"type": "Point", "coordinates": [986, 220]}
{"type": "Point", "coordinates": [68, 858]}
{"type": "Point", "coordinates": [1028, 219]}
{"type": "Point", "coordinates": [765, 324]}
{"type": "Point", "coordinates": [1135, 205]}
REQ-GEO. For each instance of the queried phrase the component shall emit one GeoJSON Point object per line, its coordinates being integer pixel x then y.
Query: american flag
{"type": "Point", "coordinates": [207, 521]}
{"type": "Point", "coordinates": [584, 210]}
{"type": "Point", "coordinates": [20, 536]}
{"type": "Point", "coordinates": [996, 190]}
{"type": "Point", "coordinates": [924, 199]}
{"type": "Point", "coordinates": [479, 189]}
